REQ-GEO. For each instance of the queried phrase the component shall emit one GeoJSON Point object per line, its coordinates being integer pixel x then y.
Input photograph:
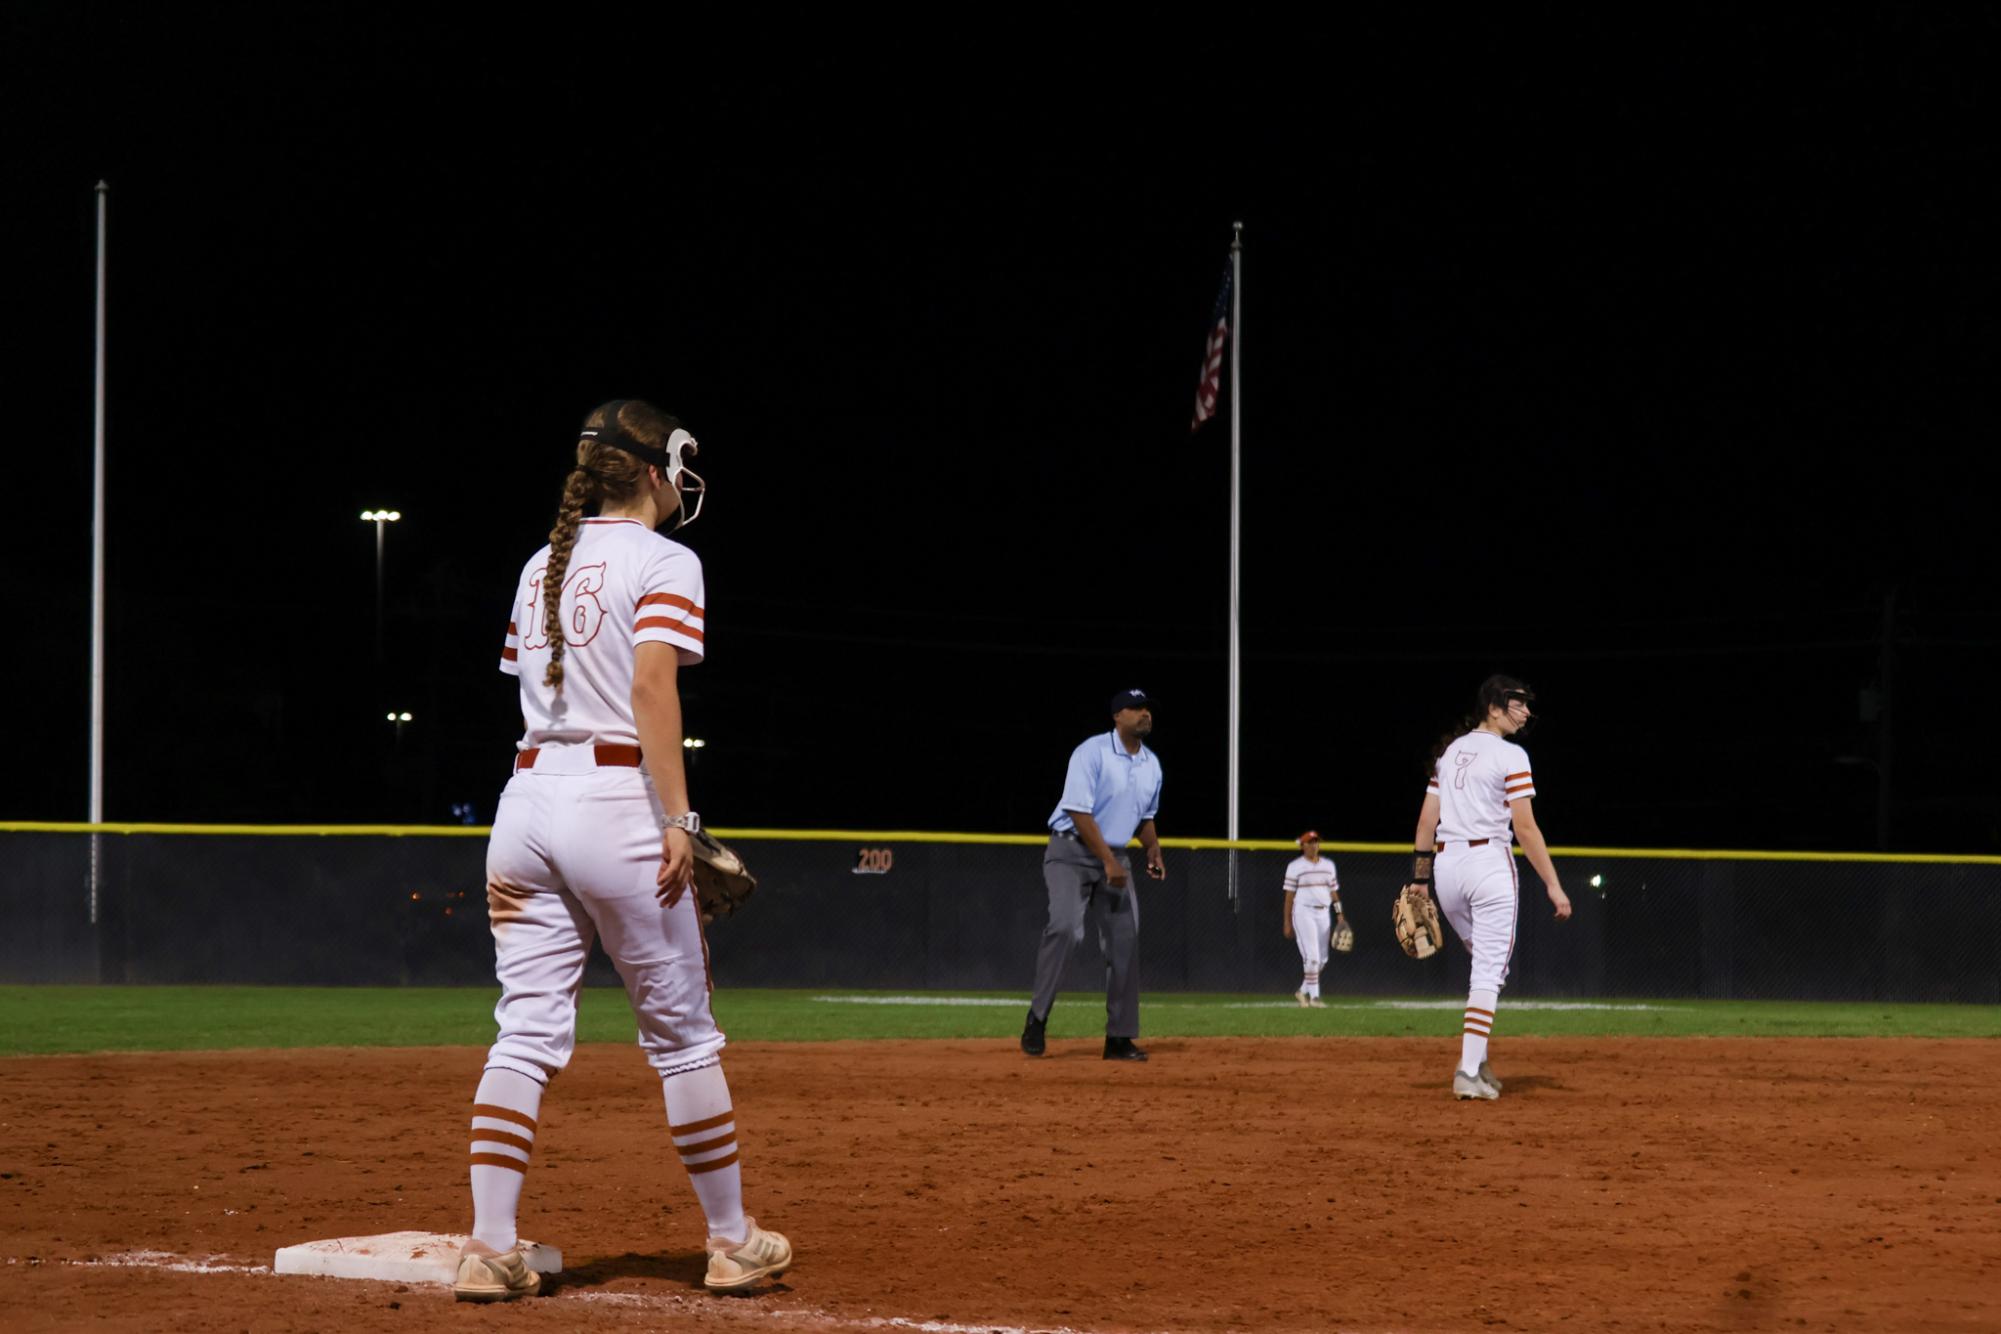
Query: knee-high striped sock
{"type": "Point", "coordinates": [503, 1137]}
{"type": "Point", "coordinates": [1479, 1027]}
{"type": "Point", "coordinates": [1312, 984]}
{"type": "Point", "coordinates": [703, 1124]}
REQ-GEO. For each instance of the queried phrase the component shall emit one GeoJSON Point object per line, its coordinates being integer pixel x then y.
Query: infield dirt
{"type": "Point", "coordinates": [1229, 1184]}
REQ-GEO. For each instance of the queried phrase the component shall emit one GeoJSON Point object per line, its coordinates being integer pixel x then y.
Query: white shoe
{"type": "Point", "coordinates": [1472, 1086]}
{"type": "Point", "coordinates": [1487, 1076]}
{"type": "Point", "coordinates": [487, 1275]}
{"type": "Point", "coordinates": [1300, 996]}
{"type": "Point", "coordinates": [1315, 1003]}
{"type": "Point", "coordinates": [737, 1265]}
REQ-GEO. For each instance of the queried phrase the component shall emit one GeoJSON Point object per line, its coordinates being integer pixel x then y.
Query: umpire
{"type": "Point", "coordinates": [1112, 789]}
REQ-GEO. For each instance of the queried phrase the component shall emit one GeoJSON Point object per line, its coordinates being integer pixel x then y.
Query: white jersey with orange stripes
{"type": "Point", "coordinates": [1311, 883]}
{"type": "Point", "coordinates": [627, 585]}
{"type": "Point", "coordinates": [1476, 778]}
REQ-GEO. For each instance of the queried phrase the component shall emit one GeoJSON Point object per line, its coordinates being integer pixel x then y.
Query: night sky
{"type": "Point", "coordinates": [1651, 361]}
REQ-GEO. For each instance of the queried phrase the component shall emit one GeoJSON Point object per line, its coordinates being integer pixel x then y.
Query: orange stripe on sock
{"type": "Point", "coordinates": [696, 1169]}
{"type": "Point", "coordinates": [499, 1160]}
{"type": "Point", "coordinates": [709, 1124]}
{"type": "Point", "coordinates": [1474, 1009]}
{"type": "Point", "coordinates": [502, 1137]}
{"type": "Point", "coordinates": [706, 1145]}
{"type": "Point", "coordinates": [502, 1114]}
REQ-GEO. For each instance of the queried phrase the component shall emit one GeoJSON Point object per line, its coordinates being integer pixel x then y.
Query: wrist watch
{"type": "Point", "coordinates": [688, 821]}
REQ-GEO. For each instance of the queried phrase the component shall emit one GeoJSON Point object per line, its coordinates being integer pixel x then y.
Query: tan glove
{"type": "Point", "coordinates": [1344, 936]}
{"type": "Point", "coordinates": [1416, 920]}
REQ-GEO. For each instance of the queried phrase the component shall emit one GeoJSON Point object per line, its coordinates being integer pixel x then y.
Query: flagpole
{"type": "Point", "coordinates": [97, 569]}
{"type": "Point", "coordinates": [1236, 523]}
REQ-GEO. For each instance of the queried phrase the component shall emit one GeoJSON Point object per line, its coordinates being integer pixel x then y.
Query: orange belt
{"type": "Point", "coordinates": [1440, 847]}
{"type": "Point", "coordinates": [607, 756]}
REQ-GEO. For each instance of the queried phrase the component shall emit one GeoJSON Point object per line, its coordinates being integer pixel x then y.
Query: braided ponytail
{"type": "Point", "coordinates": [602, 475]}
{"type": "Point", "coordinates": [579, 491]}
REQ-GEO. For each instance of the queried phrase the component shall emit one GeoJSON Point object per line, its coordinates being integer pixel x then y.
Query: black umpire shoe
{"type": "Point", "coordinates": [1031, 1034]}
{"type": "Point", "coordinates": [1122, 1049]}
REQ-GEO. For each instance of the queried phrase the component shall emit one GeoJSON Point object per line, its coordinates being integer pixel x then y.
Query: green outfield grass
{"type": "Point", "coordinates": [45, 1020]}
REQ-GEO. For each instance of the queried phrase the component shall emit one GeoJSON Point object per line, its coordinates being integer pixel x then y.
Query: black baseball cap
{"type": "Point", "coordinates": [1130, 699]}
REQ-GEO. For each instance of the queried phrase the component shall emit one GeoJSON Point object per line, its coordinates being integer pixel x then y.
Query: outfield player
{"type": "Point", "coordinates": [1481, 790]}
{"type": "Point", "coordinates": [1312, 910]}
{"type": "Point", "coordinates": [592, 841]}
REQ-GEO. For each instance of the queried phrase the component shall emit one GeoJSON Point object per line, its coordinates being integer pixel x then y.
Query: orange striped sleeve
{"type": "Point", "coordinates": [672, 600]}
{"type": "Point", "coordinates": [678, 627]}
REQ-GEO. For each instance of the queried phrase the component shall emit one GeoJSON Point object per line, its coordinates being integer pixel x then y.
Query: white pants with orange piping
{"type": "Point", "coordinates": [573, 858]}
{"type": "Point", "coordinates": [1479, 895]}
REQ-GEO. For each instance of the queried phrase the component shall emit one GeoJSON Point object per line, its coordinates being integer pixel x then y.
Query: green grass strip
{"type": "Point", "coordinates": [46, 1020]}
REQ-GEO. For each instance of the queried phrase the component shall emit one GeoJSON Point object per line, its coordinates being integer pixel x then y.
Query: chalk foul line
{"type": "Point", "coordinates": [713, 1310]}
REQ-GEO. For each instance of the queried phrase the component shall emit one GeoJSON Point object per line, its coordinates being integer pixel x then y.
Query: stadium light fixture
{"type": "Point", "coordinates": [380, 518]}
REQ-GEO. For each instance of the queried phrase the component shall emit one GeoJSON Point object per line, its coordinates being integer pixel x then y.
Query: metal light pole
{"type": "Point", "coordinates": [379, 518]}
{"type": "Point", "coordinates": [1236, 530]}
{"type": "Point", "coordinates": [97, 567]}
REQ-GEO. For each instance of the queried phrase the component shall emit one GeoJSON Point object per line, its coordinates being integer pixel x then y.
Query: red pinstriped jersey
{"type": "Point", "coordinates": [626, 585]}
{"type": "Point", "coordinates": [1476, 778]}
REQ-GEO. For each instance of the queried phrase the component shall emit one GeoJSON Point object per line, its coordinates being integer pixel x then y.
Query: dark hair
{"type": "Point", "coordinates": [602, 473]}
{"type": "Point", "coordinates": [1493, 694]}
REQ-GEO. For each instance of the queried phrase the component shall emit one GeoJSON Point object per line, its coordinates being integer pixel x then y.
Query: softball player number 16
{"type": "Point", "coordinates": [591, 841]}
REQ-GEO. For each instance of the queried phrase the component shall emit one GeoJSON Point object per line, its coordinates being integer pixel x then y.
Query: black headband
{"type": "Point", "coordinates": [614, 434]}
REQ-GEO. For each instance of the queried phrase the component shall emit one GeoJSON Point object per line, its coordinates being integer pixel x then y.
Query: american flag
{"type": "Point", "coordinates": [1212, 359]}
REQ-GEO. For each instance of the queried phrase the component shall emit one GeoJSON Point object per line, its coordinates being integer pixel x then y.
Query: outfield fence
{"type": "Point", "coordinates": [406, 906]}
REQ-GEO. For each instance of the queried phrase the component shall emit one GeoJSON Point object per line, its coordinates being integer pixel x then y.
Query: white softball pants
{"type": "Point", "coordinates": [1312, 928]}
{"type": "Point", "coordinates": [574, 857]}
{"type": "Point", "coordinates": [1478, 894]}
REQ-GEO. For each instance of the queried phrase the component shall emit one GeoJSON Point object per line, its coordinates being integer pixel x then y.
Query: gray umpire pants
{"type": "Point", "coordinates": [1078, 887]}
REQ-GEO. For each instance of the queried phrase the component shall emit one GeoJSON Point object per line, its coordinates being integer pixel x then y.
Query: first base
{"type": "Point", "coordinates": [400, 1257]}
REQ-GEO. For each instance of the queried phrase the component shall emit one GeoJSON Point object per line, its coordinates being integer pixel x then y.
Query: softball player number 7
{"type": "Point", "coordinates": [592, 841]}
{"type": "Point", "coordinates": [1480, 798]}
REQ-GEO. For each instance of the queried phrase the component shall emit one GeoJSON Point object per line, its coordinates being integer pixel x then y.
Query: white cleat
{"type": "Point", "coordinates": [1300, 996]}
{"type": "Point", "coordinates": [487, 1275]}
{"type": "Point", "coordinates": [1315, 1003]}
{"type": "Point", "coordinates": [1487, 1077]}
{"type": "Point", "coordinates": [1472, 1086]}
{"type": "Point", "coordinates": [735, 1266]}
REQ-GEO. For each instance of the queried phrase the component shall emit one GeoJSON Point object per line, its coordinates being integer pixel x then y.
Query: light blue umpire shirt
{"type": "Point", "coordinates": [1121, 791]}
